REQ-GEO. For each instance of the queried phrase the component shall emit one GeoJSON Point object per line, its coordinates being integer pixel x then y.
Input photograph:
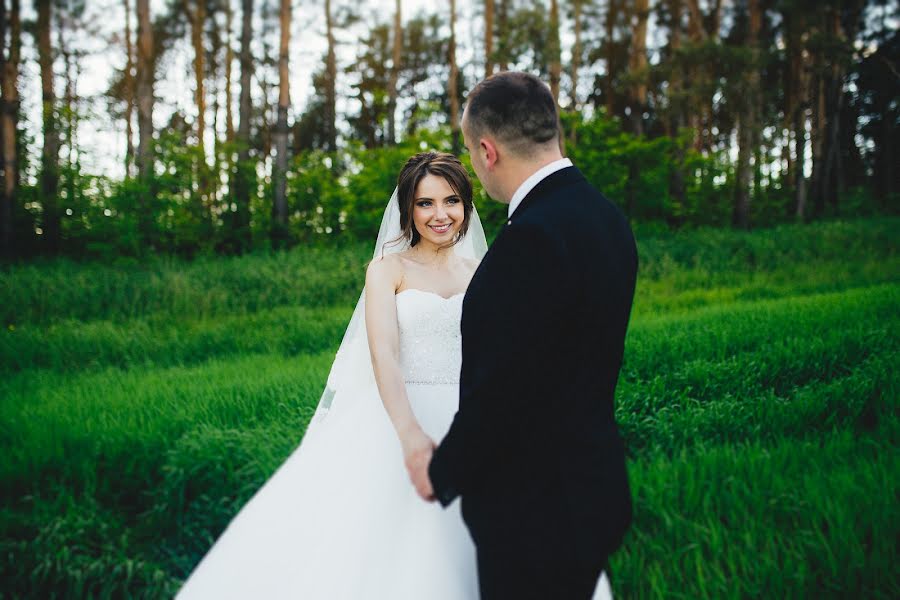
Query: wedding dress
{"type": "Point", "coordinates": [340, 518]}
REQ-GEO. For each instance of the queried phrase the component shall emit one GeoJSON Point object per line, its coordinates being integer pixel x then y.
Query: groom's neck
{"type": "Point", "coordinates": [519, 169]}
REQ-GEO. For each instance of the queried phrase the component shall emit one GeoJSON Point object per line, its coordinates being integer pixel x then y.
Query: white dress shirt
{"type": "Point", "coordinates": [536, 177]}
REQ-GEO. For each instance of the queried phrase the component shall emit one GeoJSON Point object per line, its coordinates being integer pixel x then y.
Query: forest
{"type": "Point", "coordinates": [686, 113]}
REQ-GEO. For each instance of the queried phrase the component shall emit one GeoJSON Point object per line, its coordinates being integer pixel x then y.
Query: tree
{"type": "Point", "coordinates": [796, 103]}
{"type": "Point", "coordinates": [243, 173]}
{"type": "Point", "coordinates": [577, 49]}
{"type": "Point", "coordinates": [229, 59]}
{"type": "Point", "coordinates": [424, 57]}
{"type": "Point", "coordinates": [330, 84]}
{"type": "Point", "coordinates": [877, 76]}
{"type": "Point", "coordinates": [144, 90]}
{"type": "Point", "coordinates": [369, 125]}
{"type": "Point", "coordinates": [279, 209]}
{"type": "Point", "coordinates": [838, 24]}
{"type": "Point", "coordinates": [489, 38]}
{"type": "Point", "coordinates": [144, 158]}
{"type": "Point", "coordinates": [674, 121]}
{"type": "Point", "coordinates": [638, 65]}
{"type": "Point", "coordinates": [197, 18]}
{"type": "Point", "coordinates": [10, 53]}
{"type": "Point", "coordinates": [611, 63]}
{"type": "Point", "coordinates": [128, 89]}
{"type": "Point", "coordinates": [748, 136]}
{"type": "Point", "coordinates": [502, 52]}
{"type": "Point", "coordinates": [452, 82]}
{"type": "Point", "coordinates": [395, 73]}
{"type": "Point", "coordinates": [51, 219]}
{"type": "Point", "coordinates": [703, 32]}
{"type": "Point", "coordinates": [554, 50]}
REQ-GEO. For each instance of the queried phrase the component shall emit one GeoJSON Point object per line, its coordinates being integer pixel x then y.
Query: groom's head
{"type": "Point", "coordinates": [510, 122]}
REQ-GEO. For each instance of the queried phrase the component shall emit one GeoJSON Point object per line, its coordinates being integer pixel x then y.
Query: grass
{"type": "Point", "coordinates": [142, 405]}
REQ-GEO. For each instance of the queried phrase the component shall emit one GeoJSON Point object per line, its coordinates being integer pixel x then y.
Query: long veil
{"type": "Point", "coordinates": [352, 367]}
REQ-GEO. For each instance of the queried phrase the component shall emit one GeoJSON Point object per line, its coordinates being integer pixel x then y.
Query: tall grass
{"type": "Point", "coordinates": [331, 276]}
{"type": "Point", "coordinates": [141, 406]}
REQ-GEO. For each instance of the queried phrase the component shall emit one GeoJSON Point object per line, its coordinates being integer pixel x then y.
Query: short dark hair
{"type": "Point", "coordinates": [416, 168]}
{"type": "Point", "coordinates": [517, 108]}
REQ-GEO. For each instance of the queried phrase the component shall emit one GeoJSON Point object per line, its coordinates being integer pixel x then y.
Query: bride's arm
{"type": "Point", "coordinates": [382, 279]}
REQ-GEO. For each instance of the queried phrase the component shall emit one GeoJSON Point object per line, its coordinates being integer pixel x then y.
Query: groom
{"type": "Point", "coordinates": [534, 450]}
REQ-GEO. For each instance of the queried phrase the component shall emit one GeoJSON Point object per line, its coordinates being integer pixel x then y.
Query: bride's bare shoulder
{"type": "Point", "coordinates": [387, 269]}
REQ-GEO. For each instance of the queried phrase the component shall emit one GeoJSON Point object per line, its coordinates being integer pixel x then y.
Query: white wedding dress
{"type": "Point", "coordinates": [340, 518]}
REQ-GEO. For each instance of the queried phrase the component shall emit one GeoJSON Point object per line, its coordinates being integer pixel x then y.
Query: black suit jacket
{"type": "Point", "coordinates": [534, 450]}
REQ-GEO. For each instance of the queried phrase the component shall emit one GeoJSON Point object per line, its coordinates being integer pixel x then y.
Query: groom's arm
{"type": "Point", "coordinates": [528, 289]}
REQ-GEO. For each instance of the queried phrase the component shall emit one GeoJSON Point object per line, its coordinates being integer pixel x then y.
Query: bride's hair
{"type": "Point", "coordinates": [416, 168]}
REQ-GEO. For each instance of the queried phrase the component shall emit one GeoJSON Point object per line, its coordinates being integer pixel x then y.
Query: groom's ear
{"type": "Point", "coordinates": [489, 151]}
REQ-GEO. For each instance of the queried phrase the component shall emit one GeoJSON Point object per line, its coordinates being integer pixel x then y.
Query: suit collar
{"type": "Point", "coordinates": [553, 181]}
{"type": "Point", "coordinates": [534, 179]}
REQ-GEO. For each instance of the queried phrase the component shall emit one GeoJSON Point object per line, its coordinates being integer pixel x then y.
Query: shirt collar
{"type": "Point", "coordinates": [535, 179]}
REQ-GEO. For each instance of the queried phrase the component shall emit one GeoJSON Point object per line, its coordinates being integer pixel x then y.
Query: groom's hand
{"type": "Point", "coordinates": [417, 451]}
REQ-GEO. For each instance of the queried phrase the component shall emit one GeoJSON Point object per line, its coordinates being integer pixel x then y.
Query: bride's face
{"type": "Point", "coordinates": [438, 212]}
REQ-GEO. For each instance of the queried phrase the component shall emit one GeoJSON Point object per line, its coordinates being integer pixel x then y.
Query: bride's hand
{"type": "Point", "coordinates": [417, 451]}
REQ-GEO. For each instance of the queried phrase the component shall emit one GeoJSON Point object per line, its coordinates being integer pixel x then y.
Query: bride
{"type": "Point", "coordinates": [340, 518]}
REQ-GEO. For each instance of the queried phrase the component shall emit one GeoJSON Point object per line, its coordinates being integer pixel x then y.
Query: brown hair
{"type": "Point", "coordinates": [416, 168]}
{"type": "Point", "coordinates": [516, 107]}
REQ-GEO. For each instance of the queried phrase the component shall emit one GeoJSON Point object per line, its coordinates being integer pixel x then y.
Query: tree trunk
{"type": "Point", "coordinates": [395, 74]}
{"type": "Point", "coordinates": [747, 123]}
{"type": "Point", "coordinates": [279, 209]}
{"type": "Point", "coordinates": [229, 58]}
{"type": "Point", "coordinates": [798, 117]}
{"type": "Point", "coordinates": [50, 153]}
{"type": "Point", "coordinates": [576, 53]}
{"type": "Point", "coordinates": [452, 91]}
{"type": "Point", "coordinates": [638, 65]}
{"type": "Point", "coordinates": [833, 181]}
{"type": "Point", "coordinates": [695, 24]}
{"type": "Point", "coordinates": [9, 110]}
{"type": "Point", "coordinates": [700, 33]}
{"type": "Point", "coordinates": [503, 35]}
{"type": "Point", "coordinates": [790, 85]}
{"type": "Point", "coordinates": [67, 120]}
{"type": "Point", "coordinates": [611, 66]}
{"type": "Point", "coordinates": [819, 126]}
{"type": "Point", "coordinates": [144, 158]}
{"type": "Point", "coordinates": [144, 90]}
{"type": "Point", "coordinates": [489, 38]}
{"type": "Point", "coordinates": [675, 120]}
{"type": "Point", "coordinates": [716, 21]}
{"type": "Point", "coordinates": [800, 175]}
{"type": "Point", "coordinates": [555, 51]}
{"type": "Point", "coordinates": [243, 172]}
{"type": "Point", "coordinates": [129, 93]}
{"type": "Point", "coordinates": [330, 85]}
{"type": "Point", "coordinates": [197, 18]}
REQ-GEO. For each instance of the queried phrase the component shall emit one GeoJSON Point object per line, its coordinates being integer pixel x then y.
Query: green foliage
{"type": "Point", "coordinates": [142, 404]}
{"type": "Point", "coordinates": [189, 208]}
{"type": "Point", "coordinates": [635, 172]}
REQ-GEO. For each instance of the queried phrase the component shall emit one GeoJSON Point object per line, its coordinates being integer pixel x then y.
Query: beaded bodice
{"type": "Point", "coordinates": [430, 340]}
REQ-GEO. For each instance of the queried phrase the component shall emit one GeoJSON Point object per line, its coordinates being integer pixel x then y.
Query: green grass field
{"type": "Point", "coordinates": [142, 404]}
